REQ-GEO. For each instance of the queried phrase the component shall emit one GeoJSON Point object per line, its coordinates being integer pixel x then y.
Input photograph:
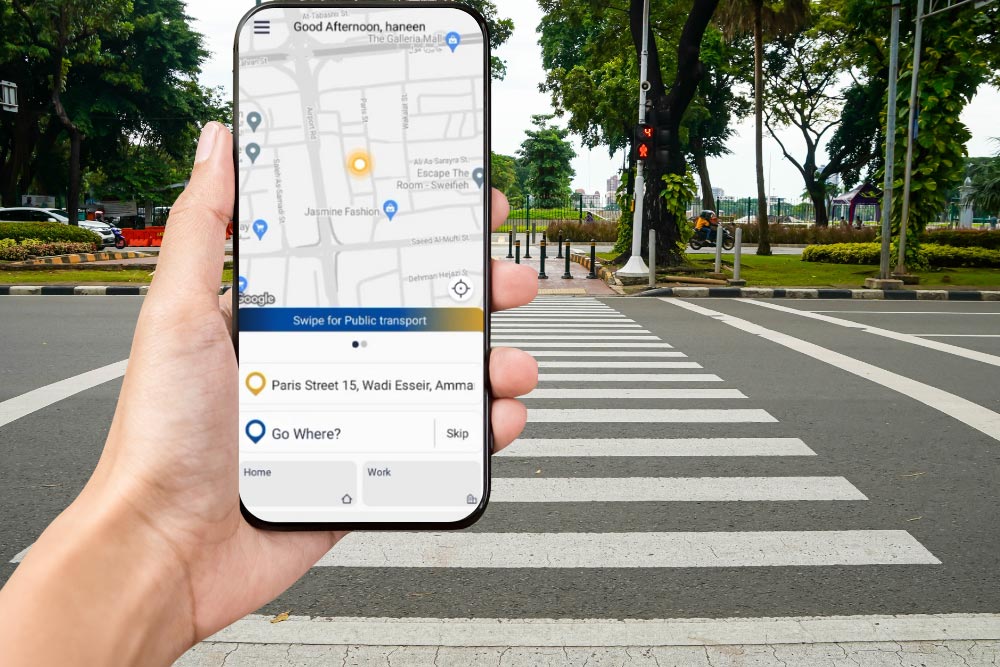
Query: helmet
{"type": "Point", "coordinates": [708, 215]}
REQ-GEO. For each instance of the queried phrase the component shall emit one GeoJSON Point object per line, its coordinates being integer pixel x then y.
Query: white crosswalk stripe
{"type": "Point", "coordinates": [618, 364]}
{"type": "Point", "coordinates": [629, 377]}
{"type": "Point", "coordinates": [578, 447]}
{"type": "Point", "coordinates": [604, 394]}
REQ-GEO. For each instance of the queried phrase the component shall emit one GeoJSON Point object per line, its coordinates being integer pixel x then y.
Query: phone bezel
{"type": "Point", "coordinates": [476, 514]}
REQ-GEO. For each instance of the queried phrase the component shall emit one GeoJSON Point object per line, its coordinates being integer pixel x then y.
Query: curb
{"type": "Point", "coordinates": [82, 258]}
{"type": "Point", "coordinates": [83, 290]}
{"type": "Point", "coordinates": [791, 293]}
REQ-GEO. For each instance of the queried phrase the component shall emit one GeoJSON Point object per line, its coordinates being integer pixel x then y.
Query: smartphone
{"type": "Point", "coordinates": [362, 289]}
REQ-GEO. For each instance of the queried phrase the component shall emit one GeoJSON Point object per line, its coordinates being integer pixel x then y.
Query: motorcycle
{"type": "Point", "coordinates": [728, 240]}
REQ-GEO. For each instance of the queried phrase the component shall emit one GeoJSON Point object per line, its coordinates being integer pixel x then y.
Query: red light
{"type": "Point", "coordinates": [647, 132]}
{"type": "Point", "coordinates": [643, 151]}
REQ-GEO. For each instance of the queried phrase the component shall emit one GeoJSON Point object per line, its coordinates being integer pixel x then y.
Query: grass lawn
{"type": "Point", "coordinates": [84, 277]}
{"type": "Point", "coordinates": [791, 271]}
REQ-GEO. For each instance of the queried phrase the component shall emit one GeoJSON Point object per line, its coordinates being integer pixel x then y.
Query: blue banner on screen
{"type": "Point", "coordinates": [360, 319]}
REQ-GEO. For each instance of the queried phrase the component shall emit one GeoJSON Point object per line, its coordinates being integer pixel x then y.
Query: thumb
{"type": "Point", "coordinates": [194, 244]}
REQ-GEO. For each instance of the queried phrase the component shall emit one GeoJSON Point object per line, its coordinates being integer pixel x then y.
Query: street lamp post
{"type": "Point", "coordinates": [890, 145]}
{"type": "Point", "coordinates": [636, 267]}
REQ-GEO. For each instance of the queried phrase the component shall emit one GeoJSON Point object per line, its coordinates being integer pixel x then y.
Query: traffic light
{"type": "Point", "coordinates": [644, 142]}
{"type": "Point", "coordinates": [661, 137]}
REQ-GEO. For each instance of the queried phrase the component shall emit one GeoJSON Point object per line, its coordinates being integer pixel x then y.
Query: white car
{"type": "Point", "coordinates": [28, 214]}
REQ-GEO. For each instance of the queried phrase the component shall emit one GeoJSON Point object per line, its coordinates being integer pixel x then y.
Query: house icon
{"type": "Point", "coordinates": [347, 500]}
{"type": "Point", "coordinates": [471, 500]}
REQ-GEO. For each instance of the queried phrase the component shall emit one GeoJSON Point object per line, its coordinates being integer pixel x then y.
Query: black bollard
{"type": "Point", "coordinates": [527, 244]}
{"type": "Point", "coordinates": [510, 243]}
{"type": "Point", "coordinates": [593, 260]}
{"type": "Point", "coordinates": [517, 252]}
{"type": "Point", "coordinates": [541, 258]}
{"type": "Point", "coordinates": [568, 275]}
{"type": "Point", "coordinates": [560, 244]}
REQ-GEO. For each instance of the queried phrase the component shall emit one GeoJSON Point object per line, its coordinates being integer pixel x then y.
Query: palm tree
{"type": "Point", "coordinates": [772, 19]}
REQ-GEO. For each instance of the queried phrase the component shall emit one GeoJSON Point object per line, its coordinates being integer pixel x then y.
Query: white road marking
{"type": "Point", "coordinates": [969, 413]}
{"type": "Point", "coordinates": [671, 489]}
{"type": "Point", "coordinates": [576, 447]}
{"type": "Point", "coordinates": [548, 319]}
{"type": "Point", "coordinates": [973, 355]}
{"type": "Point", "coordinates": [21, 406]}
{"type": "Point", "coordinates": [901, 312]}
{"type": "Point", "coordinates": [628, 550]}
{"type": "Point", "coordinates": [593, 330]}
{"type": "Point", "coordinates": [559, 633]}
{"type": "Point", "coordinates": [603, 395]}
{"type": "Point", "coordinates": [587, 345]}
{"type": "Point", "coordinates": [640, 416]}
{"type": "Point", "coordinates": [618, 364]}
{"type": "Point", "coordinates": [628, 377]}
{"type": "Point", "coordinates": [559, 326]}
{"type": "Point", "coordinates": [955, 336]}
{"type": "Point", "coordinates": [605, 335]}
{"type": "Point", "coordinates": [635, 354]}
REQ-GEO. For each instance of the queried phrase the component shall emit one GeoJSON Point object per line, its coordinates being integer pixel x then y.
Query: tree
{"type": "Point", "coordinates": [500, 31]}
{"type": "Point", "coordinates": [63, 34]}
{"type": "Point", "coordinates": [765, 19]}
{"type": "Point", "coordinates": [802, 77]}
{"type": "Point", "coordinates": [503, 174]}
{"type": "Point", "coordinates": [986, 181]}
{"type": "Point", "coordinates": [548, 156]}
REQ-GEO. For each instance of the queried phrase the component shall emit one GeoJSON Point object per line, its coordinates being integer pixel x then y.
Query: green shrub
{"type": "Point", "coordinates": [48, 232]}
{"type": "Point", "coordinates": [964, 238]}
{"type": "Point", "coordinates": [932, 254]}
{"type": "Point", "coordinates": [843, 253]}
{"type": "Point", "coordinates": [599, 231]}
{"type": "Point", "coordinates": [41, 249]}
{"type": "Point", "coordinates": [809, 234]}
{"type": "Point", "coordinates": [7, 243]}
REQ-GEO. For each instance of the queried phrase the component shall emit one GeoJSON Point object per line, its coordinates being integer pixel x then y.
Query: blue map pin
{"type": "Point", "coordinates": [453, 39]}
{"type": "Point", "coordinates": [244, 283]}
{"type": "Point", "coordinates": [256, 430]}
{"type": "Point", "coordinates": [391, 208]}
{"type": "Point", "coordinates": [260, 228]}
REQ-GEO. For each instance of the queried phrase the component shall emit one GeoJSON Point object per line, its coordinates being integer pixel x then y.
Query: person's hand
{"type": "Point", "coordinates": [155, 555]}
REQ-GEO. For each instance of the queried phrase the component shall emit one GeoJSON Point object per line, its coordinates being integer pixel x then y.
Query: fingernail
{"type": "Point", "coordinates": [207, 142]}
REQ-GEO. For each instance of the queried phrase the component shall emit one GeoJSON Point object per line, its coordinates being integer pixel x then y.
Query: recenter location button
{"type": "Point", "coordinates": [420, 484]}
{"type": "Point", "coordinates": [295, 484]}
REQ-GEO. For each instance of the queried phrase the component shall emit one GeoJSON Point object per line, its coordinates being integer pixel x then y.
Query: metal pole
{"type": "Point", "coordinates": [911, 126]}
{"type": "Point", "coordinates": [527, 244]}
{"type": "Point", "coordinates": [652, 258]}
{"type": "Point", "coordinates": [635, 266]}
{"type": "Point", "coordinates": [534, 232]}
{"type": "Point", "coordinates": [568, 275]}
{"type": "Point", "coordinates": [541, 259]}
{"type": "Point", "coordinates": [510, 242]}
{"type": "Point", "coordinates": [718, 249]}
{"type": "Point", "coordinates": [560, 244]}
{"type": "Point", "coordinates": [593, 260]}
{"type": "Point", "coordinates": [738, 257]}
{"type": "Point", "coordinates": [890, 145]}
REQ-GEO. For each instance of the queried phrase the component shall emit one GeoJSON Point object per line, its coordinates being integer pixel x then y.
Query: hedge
{"type": "Point", "coordinates": [938, 256]}
{"type": "Point", "coordinates": [598, 231]}
{"type": "Point", "coordinates": [809, 234]}
{"type": "Point", "coordinates": [49, 232]}
{"type": "Point", "coordinates": [966, 238]}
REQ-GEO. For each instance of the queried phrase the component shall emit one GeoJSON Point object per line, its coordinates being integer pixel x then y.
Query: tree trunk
{"type": "Point", "coordinates": [707, 196]}
{"type": "Point", "coordinates": [818, 197]}
{"type": "Point", "coordinates": [73, 201]}
{"type": "Point", "coordinates": [764, 245]}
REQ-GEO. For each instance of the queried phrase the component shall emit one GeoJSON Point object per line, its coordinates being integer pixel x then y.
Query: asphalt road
{"type": "Point", "coordinates": [883, 501]}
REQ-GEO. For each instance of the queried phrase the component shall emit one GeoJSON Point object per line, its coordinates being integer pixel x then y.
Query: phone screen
{"type": "Point", "coordinates": [362, 273]}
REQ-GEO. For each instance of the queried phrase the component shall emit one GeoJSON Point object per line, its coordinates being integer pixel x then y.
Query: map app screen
{"type": "Point", "coordinates": [362, 270]}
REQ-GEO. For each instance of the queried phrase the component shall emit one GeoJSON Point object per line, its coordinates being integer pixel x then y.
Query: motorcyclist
{"type": "Point", "coordinates": [707, 226]}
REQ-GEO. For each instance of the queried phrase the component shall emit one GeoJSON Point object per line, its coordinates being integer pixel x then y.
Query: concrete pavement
{"type": "Point", "coordinates": [771, 474]}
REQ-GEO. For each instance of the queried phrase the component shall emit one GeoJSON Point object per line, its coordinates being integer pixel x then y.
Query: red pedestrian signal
{"type": "Point", "coordinates": [644, 137]}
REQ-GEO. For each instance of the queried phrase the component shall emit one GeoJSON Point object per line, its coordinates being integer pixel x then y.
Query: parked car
{"type": "Point", "coordinates": [109, 235]}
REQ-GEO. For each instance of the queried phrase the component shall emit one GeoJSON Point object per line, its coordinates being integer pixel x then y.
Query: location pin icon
{"type": "Point", "coordinates": [391, 208]}
{"type": "Point", "coordinates": [253, 150]}
{"type": "Point", "coordinates": [254, 120]}
{"type": "Point", "coordinates": [453, 39]}
{"type": "Point", "coordinates": [244, 283]}
{"type": "Point", "coordinates": [479, 176]}
{"type": "Point", "coordinates": [256, 382]}
{"type": "Point", "coordinates": [260, 228]}
{"type": "Point", "coordinates": [256, 430]}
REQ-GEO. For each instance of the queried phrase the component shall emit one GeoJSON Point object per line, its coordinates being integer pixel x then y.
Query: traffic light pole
{"type": "Point", "coordinates": [636, 267]}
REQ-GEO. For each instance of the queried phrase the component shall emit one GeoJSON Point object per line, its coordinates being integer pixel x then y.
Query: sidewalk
{"type": "Point", "coordinates": [555, 269]}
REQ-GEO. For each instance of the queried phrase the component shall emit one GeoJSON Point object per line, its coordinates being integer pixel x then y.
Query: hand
{"type": "Point", "coordinates": [155, 547]}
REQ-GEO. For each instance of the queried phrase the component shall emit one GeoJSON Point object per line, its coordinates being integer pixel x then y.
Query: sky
{"type": "Point", "coordinates": [517, 98]}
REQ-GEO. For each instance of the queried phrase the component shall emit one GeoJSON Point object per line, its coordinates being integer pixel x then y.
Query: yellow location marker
{"type": "Point", "coordinates": [359, 163]}
{"type": "Point", "coordinates": [256, 382]}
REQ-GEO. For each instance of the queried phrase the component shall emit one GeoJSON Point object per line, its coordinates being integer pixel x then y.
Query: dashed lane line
{"type": "Point", "coordinates": [21, 406]}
